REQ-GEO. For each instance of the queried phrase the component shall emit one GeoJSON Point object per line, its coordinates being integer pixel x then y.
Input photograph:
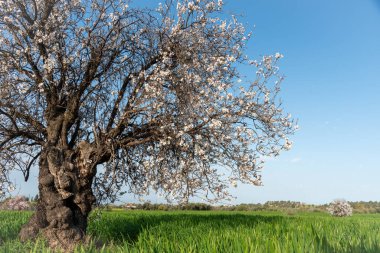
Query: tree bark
{"type": "Point", "coordinates": [65, 196]}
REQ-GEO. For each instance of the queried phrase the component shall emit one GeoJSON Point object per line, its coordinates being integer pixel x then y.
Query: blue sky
{"type": "Point", "coordinates": [332, 85]}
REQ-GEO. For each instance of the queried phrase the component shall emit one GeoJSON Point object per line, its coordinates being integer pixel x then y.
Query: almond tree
{"type": "Point", "coordinates": [154, 96]}
{"type": "Point", "coordinates": [340, 208]}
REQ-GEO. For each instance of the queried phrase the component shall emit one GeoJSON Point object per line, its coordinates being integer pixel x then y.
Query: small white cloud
{"type": "Point", "coordinates": [295, 160]}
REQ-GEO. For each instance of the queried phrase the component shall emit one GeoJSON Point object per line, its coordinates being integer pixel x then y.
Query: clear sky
{"type": "Point", "coordinates": [332, 85]}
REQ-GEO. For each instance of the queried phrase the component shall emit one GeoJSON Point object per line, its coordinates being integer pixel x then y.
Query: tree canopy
{"type": "Point", "coordinates": [153, 94]}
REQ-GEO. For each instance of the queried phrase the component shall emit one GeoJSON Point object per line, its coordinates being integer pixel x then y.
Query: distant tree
{"type": "Point", "coordinates": [17, 203]}
{"type": "Point", "coordinates": [152, 95]}
{"type": "Point", "coordinates": [340, 208]}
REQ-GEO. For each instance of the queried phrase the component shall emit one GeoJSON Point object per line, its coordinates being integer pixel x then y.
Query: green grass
{"type": "Point", "coordinates": [212, 231]}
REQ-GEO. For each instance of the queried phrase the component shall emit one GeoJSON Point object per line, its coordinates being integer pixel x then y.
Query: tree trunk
{"type": "Point", "coordinates": [65, 197]}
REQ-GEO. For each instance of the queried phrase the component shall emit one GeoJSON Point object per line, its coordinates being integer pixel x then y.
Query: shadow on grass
{"type": "Point", "coordinates": [326, 247]}
{"type": "Point", "coordinates": [127, 226]}
{"type": "Point", "coordinates": [122, 227]}
{"type": "Point", "coordinates": [11, 223]}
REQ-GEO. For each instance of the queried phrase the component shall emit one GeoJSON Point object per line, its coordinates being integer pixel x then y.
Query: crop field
{"type": "Point", "coordinates": [211, 231]}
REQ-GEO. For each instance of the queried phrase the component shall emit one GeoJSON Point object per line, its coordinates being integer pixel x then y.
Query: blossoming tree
{"type": "Point", "coordinates": [154, 96]}
{"type": "Point", "coordinates": [340, 208]}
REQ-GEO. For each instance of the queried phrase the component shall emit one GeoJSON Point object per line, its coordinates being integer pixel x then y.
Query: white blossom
{"type": "Point", "coordinates": [340, 208]}
{"type": "Point", "coordinates": [278, 56]}
{"type": "Point", "coordinates": [158, 90]}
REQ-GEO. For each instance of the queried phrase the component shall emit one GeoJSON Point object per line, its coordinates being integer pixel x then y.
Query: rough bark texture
{"type": "Point", "coordinates": [65, 179]}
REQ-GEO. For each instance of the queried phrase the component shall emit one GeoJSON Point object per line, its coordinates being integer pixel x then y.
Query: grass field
{"type": "Point", "coordinates": [212, 231]}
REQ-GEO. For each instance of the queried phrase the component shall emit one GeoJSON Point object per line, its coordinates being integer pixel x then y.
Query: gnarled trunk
{"type": "Point", "coordinates": [65, 196]}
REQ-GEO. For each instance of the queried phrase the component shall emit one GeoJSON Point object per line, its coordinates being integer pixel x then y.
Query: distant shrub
{"type": "Point", "coordinates": [195, 206]}
{"type": "Point", "coordinates": [17, 203]}
{"type": "Point", "coordinates": [340, 208]}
